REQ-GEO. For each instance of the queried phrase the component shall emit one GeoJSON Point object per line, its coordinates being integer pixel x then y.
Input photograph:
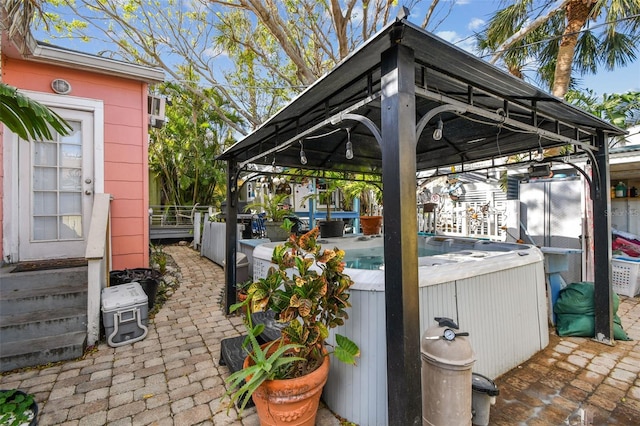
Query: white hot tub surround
{"type": "Point", "coordinates": [495, 291]}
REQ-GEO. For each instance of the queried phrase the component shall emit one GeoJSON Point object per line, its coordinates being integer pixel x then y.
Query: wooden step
{"type": "Point", "coordinates": [43, 350]}
{"type": "Point", "coordinates": [47, 322]}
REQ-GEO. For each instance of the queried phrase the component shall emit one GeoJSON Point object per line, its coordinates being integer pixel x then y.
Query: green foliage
{"type": "Point", "coordinates": [622, 110]}
{"type": "Point", "coordinates": [159, 257]}
{"type": "Point", "coordinates": [15, 408]}
{"type": "Point", "coordinates": [369, 193]}
{"type": "Point", "coordinates": [272, 205]}
{"type": "Point", "coordinates": [266, 363]}
{"type": "Point", "coordinates": [311, 300]}
{"type": "Point", "coordinates": [28, 118]}
{"type": "Point", "coordinates": [182, 154]}
{"type": "Point", "coordinates": [619, 109]}
{"type": "Point", "coordinates": [309, 292]}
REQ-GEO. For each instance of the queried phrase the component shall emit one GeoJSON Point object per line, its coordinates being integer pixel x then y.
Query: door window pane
{"type": "Point", "coordinates": [44, 153]}
{"type": "Point", "coordinates": [45, 228]}
{"type": "Point", "coordinates": [75, 136]}
{"type": "Point", "coordinates": [70, 227]}
{"type": "Point", "coordinates": [45, 203]}
{"type": "Point", "coordinates": [70, 179]}
{"type": "Point", "coordinates": [44, 178]}
{"type": "Point", "coordinates": [71, 156]}
{"type": "Point", "coordinates": [70, 203]}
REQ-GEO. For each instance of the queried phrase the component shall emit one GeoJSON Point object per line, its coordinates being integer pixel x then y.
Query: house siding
{"type": "Point", "coordinates": [125, 148]}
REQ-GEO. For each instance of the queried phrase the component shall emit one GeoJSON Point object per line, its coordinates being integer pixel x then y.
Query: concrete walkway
{"type": "Point", "coordinates": [172, 377]}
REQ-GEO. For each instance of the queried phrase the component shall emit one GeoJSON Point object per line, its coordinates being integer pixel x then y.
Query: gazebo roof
{"type": "Point", "coordinates": [490, 114]}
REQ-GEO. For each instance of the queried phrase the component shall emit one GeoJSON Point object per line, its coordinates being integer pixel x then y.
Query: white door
{"type": "Point", "coordinates": [56, 185]}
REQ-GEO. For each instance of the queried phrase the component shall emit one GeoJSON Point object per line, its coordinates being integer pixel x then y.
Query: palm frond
{"type": "Point", "coordinates": [28, 118]}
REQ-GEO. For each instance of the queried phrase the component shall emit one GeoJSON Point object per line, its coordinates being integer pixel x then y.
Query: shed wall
{"type": "Point", "coordinates": [125, 146]}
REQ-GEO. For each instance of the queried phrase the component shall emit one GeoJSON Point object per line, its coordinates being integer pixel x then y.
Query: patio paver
{"type": "Point", "coordinates": [172, 377]}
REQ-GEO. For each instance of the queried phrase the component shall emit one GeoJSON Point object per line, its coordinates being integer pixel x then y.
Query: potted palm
{"type": "Point", "coordinates": [370, 197]}
{"type": "Point", "coordinates": [274, 207]}
{"type": "Point", "coordinates": [308, 291]}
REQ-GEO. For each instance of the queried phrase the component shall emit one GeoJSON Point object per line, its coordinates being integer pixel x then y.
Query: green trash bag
{"type": "Point", "coordinates": [575, 312]}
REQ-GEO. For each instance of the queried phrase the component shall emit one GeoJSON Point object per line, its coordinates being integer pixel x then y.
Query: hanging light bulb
{"type": "Point", "coordinates": [349, 152]}
{"type": "Point", "coordinates": [437, 133]}
{"type": "Point", "coordinates": [303, 157]}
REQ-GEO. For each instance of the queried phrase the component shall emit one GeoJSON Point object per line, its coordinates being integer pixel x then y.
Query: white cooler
{"type": "Point", "coordinates": [124, 313]}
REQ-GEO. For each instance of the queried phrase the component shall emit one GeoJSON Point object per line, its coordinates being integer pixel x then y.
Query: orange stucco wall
{"type": "Point", "coordinates": [125, 148]}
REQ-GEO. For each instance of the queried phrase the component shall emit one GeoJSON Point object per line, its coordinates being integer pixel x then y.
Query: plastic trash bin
{"type": "Point", "coordinates": [242, 267]}
{"type": "Point", "coordinates": [124, 314]}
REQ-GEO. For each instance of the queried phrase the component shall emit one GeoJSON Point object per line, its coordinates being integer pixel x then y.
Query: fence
{"type": "Point", "coordinates": [496, 220]}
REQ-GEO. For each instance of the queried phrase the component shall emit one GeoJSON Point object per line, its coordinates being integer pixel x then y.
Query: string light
{"type": "Point", "coordinates": [303, 157]}
{"type": "Point", "coordinates": [349, 152]}
{"type": "Point", "coordinates": [437, 133]}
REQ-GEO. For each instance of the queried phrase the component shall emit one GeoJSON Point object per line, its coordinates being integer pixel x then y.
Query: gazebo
{"type": "Point", "coordinates": [409, 101]}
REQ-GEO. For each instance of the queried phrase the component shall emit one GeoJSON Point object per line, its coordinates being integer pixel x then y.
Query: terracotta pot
{"type": "Point", "coordinates": [290, 402]}
{"type": "Point", "coordinates": [371, 225]}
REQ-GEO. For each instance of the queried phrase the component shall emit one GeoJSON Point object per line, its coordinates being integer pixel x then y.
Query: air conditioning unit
{"type": "Point", "coordinates": [155, 108]}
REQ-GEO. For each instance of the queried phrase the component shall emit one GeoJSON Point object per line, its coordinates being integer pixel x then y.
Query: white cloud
{"type": "Point", "coordinates": [450, 36]}
{"type": "Point", "coordinates": [466, 43]}
{"type": "Point", "coordinates": [475, 24]}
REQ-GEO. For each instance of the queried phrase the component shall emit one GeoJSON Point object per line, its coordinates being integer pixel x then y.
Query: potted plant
{"type": "Point", "coordinates": [308, 291]}
{"type": "Point", "coordinates": [242, 289]}
{"type": "Point", "coordinates": [328, 227]}
{"type": "Point", "coordinates": [274, 207]}
{"type": "Point", "coordinates": [370, 197]}
{"type": "Point", "coordinates": [17, 408]}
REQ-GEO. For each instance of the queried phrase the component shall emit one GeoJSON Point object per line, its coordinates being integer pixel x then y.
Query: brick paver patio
{"type": "Point", "coordinates": [172, 377]}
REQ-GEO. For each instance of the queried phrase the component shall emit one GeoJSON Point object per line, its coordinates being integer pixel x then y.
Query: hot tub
{"type": "Point", "coordinates": [493, 290]}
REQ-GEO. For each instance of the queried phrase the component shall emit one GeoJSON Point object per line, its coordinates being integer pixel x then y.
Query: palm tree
{"type": "Point", "coordinates": [564, 37]}
{"type": "Point", "coordinates": [16, 16]}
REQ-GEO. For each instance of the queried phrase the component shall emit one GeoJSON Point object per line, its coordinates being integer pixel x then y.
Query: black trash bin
{"type": "Point", "coordinates": [148, 279]}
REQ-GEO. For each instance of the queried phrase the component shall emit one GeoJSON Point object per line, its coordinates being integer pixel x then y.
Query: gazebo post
{"type": "Point", "coordinates": [398, 148]}
{"type": "Point", "coordinates": [602, 244]}
{"type": "Point", "coordinates": [231, 217]}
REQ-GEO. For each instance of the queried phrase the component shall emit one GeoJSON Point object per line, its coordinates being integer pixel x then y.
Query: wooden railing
{"type": "Point", "coordinates": [98, 255]}
{"type": "Point", "coordinates": [495, 221]}
{"type": "Point", "coordinates": [173, 215]}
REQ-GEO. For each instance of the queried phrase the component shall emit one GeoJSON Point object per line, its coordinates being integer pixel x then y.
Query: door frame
{"type": "Point", "coordinates": [11, 163]}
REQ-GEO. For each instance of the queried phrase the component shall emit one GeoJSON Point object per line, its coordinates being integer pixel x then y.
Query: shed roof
{"type": "Point", "coordinates": [490, 113]}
